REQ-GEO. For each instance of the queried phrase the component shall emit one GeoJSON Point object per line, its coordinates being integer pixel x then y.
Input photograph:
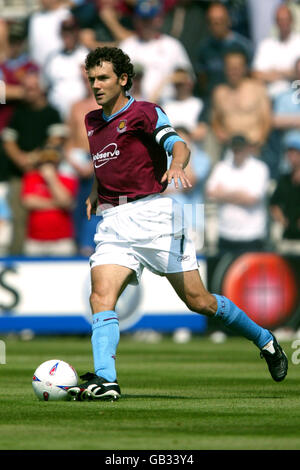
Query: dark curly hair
{"type": "Point", "coordinates": [120, 62]}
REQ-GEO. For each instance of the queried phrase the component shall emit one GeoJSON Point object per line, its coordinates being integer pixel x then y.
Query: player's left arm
{"type": "Point", "coordinates": [180, 159]}
{"type": "Point", "coordinates": [166, 136]}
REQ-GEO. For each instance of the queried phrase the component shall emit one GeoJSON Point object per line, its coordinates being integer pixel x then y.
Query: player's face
{"type": "Point", "coordinates": [106, 85]}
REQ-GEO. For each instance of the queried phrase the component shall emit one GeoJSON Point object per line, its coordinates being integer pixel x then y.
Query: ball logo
{"type": "Point", "coordinates": [53, 369]}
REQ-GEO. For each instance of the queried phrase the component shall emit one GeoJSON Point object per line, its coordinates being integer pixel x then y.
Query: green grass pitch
{"type": "Point", "coordinates": [192, 396]}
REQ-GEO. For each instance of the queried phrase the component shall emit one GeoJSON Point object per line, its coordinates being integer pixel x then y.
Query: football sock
{"type": "Point", "coordinates": [240, 323]}
{"type": "Point", "coordinates": [105, 339]}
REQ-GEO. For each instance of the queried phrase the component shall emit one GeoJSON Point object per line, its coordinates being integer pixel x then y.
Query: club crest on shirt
{"type": "Point", "coordinates": [122, 126]}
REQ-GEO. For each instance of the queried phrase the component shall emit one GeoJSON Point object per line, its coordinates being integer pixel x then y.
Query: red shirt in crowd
{"type": "Point", "coordinates": [48, 224]}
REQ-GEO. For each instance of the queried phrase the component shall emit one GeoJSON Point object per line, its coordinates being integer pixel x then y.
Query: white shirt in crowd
{"type": "Point", "coordinates": [274, 54]}
{"type": "Point", "coordinates": [184, 113]}
{"type": "Point", "coordinates": [63, 76]}
{"type": "Point", "coordinates": [44, 33]}
{"type": "Point", "coordinates": [237, 222]}
{"type": "Point", "coordinates": [159, 57]}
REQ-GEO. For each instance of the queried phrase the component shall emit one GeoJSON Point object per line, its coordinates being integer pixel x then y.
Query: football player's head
{"type": "Point", "coordinates": [120, 61]}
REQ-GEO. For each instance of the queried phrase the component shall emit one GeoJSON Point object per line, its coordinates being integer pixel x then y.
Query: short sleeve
{"type": "Point", "coordinates": [158, 124]}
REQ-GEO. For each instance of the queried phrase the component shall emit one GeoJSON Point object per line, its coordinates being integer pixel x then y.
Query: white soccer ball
{"type": "Point", "coordinates": [52, 379]}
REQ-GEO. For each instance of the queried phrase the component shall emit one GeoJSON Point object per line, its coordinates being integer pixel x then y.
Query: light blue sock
{"type": "Point", "coordinates": [240, 323]}
{"type": "Point", "coordinates": [105, 339]}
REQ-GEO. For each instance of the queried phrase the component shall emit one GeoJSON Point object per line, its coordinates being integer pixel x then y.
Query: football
{"type": "Point", "coordinates": [52, 379]}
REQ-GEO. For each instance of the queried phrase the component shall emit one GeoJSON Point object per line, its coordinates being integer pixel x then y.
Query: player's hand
{"type": "Point", "coordinates": [91, 207]}
{"type": "Point", "coordinates": [177, 174]}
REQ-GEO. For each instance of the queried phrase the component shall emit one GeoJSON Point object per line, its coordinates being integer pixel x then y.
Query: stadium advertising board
{"type": "Point", "coordinates": [52, 296]}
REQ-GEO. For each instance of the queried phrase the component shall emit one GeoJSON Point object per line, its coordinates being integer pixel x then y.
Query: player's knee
{"type": "Point", "coordinates": [102, 300]}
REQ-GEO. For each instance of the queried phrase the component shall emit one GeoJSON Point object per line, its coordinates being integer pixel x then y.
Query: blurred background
{"type": "Point", "coordinates": [228, 75]}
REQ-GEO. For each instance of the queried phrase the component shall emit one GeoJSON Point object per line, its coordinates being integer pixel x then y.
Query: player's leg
{"type": "Point", "coordinates": [107, 282]}
{"type": "Point", "coordinates": [189, 287]}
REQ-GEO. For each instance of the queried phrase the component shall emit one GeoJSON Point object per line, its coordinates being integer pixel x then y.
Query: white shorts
{"type": "Point", "coordinates": [147, 233]}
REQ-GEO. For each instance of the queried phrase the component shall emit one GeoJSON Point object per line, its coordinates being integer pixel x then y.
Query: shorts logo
{"type": "Point", "coordinates": [122, 126]}
{"type": "Point", "coordinates": [109, 152]}
{"type": "Point", "coordinates": [183, 258]}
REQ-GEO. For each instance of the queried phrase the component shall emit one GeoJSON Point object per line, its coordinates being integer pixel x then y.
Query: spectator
{"type": "Point", "coordinates": [275, 56]}
{"type": "Point", "coordinates": [211, 50]}
{"type": "Point", "coordinates": [44, 30]}
{"type": "Point", "coordinates": [240, 106]}
{"type": "Point", "coordinates": [3, 39]}
{"type": "Point", "coordinates": [285, 201]}
{"type": "Point", "coordinates": [48, 197]}
{"type": "Point", "coordinates": [62, 72]}
{"type": "Point", "coordinates": [5, 220]}
{"type": "Point", "coordinates": [78, 156]}
{"type": "Point", "coordinates": [193, 198]}
{"type": "Point", "coordinates": [136, 89]}
{"type": "Point", "coordinates": [184, 108]}
{"type": "Point", "coordinates": [261, 18]}
{"type": "Point", "coordinates": [287, 105]}
{"type": "Point", "coordinates": [286, 112]}
{"type": "Point", "coordinates": [239, 185]}
{"type": "Point", "coordinates": [85, 12]}
{"type": "Point", "coordinates": [185, 20]}
{"type": "Point", "coordinates": [12, 70]}
{"type": "Point", "coordinates": [114, 15]}
{"type": "Point", "coordinates": [33, 124]}
{"type": "Point", "coordinates": [294, 7]}
{"type": "Point", "coordinates": [109, 22]}
{"type": "Point", "coordinates": [158, 53]}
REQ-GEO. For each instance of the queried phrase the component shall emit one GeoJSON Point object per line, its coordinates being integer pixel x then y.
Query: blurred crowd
{"type": "Point", "coordinates": [226, 73]}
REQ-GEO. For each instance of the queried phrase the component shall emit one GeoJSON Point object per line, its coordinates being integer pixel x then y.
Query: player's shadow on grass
{"type": "Point", "coordinates": [168, 397]}
{"type": "Point", "coordinates": [161, 397]}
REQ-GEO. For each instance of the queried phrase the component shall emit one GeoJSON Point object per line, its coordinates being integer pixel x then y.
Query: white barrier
{"type": "Point", "coordinates": [52, 296]}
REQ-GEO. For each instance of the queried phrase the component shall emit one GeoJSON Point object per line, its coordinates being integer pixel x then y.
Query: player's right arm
{"type": "Point", "coordinates": [92, 201]}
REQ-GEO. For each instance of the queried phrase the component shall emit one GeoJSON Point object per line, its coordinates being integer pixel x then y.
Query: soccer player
{"type": "Point", "coordinates": [129, 142]}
